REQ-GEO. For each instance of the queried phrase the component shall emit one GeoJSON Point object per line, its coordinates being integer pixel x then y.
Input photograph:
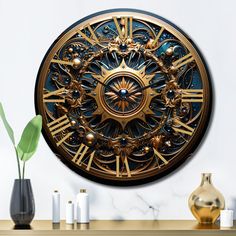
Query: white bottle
{"type": "Point", "coordinates": [226, 218]}
{"type": "Point", "coordinates": [69, 212]}
{"type": "Point", "coordinates": [56, 207]}
{"type": "Point", "coordinates": [82, 203]}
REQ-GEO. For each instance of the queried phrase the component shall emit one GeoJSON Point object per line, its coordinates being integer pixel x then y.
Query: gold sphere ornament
{"type": "Point", "coordinates": [73, 122]}
{"type": "Point", "coordinates": [206, 201]}
{"type": "Point", "coordinates": [76, 62]}
{"type": "Point", "coordinates": [90, 138]}
{"type": "Point", "coordinates": [146, 149]}
{"type": "Point", "coordinates": [70, 49]}
{"type": "Point", "coordinates": [169, 51]}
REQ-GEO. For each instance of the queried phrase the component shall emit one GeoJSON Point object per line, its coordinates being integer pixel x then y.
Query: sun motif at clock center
{"type": "Point", "coordinates": [125, 97]}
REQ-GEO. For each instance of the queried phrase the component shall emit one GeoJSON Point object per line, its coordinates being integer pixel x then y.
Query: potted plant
{"type": "Point", "coordinates": [22, 208]}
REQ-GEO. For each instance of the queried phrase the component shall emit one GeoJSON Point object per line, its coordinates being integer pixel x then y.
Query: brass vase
{"type": "Point", "coordinates": [206, 201]}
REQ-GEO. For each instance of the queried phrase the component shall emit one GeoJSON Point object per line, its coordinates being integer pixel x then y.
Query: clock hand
{"type": "Point", "coordinates": [141, 89]}
{"type": "Point", "coordinates": [106, 86]}
{"type": "Point", "coordinates": [72, 64]}
{"type": "Point", "coordinates": [69, 63]}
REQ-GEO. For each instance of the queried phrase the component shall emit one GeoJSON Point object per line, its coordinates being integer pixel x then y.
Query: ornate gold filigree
{"type": "Point", "coordinates": [144, 105]}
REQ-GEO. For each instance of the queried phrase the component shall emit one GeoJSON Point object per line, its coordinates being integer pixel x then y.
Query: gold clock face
{"type": "Point", "coordinates": [125, 97]}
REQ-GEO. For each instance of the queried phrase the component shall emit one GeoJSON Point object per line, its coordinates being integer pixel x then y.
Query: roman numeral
{"type": "Point", "coordinates": [158, 36]}
{"type": "Point", "coordinates": [126, 165]}
{"type": "Point", "coordinates": [59, 125]}
{"type": "Point", "coordinates": [192, 95]}
{"type": "Point", "coordinates": [54, 93]}
{"type": "Point", "coordinates": [80, 155]}
{"type": "Point", "coordinates": [188, 130]}
{"type": "Point", "coordinates": [93, 38]}
{"type": "Point", "coordinates": [158, 154]}
{"type": "Point", "coordinates": [183, 61]}
{"type": "Point", "coordinates": [117, 166]}
{"type": "Point", "coordinates": [90, 161]}
{"type": "Point", "coordinates": [64, 139]}
{"type": "Point", "coordinates": [127, 31]}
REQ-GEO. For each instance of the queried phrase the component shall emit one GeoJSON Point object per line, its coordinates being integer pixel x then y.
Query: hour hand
{"type": "Point", "coordinates": [75, 63]}
{"type": "Point", "coordinates": [142, 88]}
{"type": "Point", "coordinates": [105, 85]}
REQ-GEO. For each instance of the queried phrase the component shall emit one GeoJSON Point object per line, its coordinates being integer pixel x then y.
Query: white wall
{"type": "Point", "coordinates": [27, 30]}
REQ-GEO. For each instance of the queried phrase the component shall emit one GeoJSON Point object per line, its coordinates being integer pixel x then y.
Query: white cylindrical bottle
{"type": "Point", "coordinates": [69, 212]}
{"type": "Point", "coordinates": [226, 218]}
{"type": "Point", "coordinates": [82, 205]}
{"type": "Point", "coordinates": [56, 207]}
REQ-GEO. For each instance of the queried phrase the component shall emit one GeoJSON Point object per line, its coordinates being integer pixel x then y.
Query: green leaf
{"type": "Point", "coordinates": [6, 124]}
{"type": "Point", "coordinates": [24, 156]}
{"type": "Point", "coordinates": [29, 139]}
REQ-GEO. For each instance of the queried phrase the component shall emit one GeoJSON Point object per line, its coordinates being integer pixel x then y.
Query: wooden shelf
{"type": "Point", "coordinates": [118, 228]}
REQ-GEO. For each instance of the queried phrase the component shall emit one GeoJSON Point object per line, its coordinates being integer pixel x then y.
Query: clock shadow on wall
{"type": "Point", "coordinates": [125, 97]}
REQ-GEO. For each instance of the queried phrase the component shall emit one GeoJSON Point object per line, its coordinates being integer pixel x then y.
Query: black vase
{"type": "Point", "coordinates": [22, 207]}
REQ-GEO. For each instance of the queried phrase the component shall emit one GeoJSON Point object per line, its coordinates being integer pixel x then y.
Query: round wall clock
{"type": "Point", "coordinates": [125, 97]}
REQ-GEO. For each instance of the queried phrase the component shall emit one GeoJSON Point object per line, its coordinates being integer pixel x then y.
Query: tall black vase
{"type": "Point", "coordinates": [22, 207]}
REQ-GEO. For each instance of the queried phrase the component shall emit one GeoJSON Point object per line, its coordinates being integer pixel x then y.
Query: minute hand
{"type": "Point", "coordinates": [141, 89]}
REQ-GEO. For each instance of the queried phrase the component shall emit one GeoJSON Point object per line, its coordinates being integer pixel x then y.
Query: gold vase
{"type": "Point", "coordinates": [206, 201]}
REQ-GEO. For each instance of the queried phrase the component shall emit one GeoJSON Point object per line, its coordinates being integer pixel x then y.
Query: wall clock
{"type": "Point", "coordinates": [125, 97]}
